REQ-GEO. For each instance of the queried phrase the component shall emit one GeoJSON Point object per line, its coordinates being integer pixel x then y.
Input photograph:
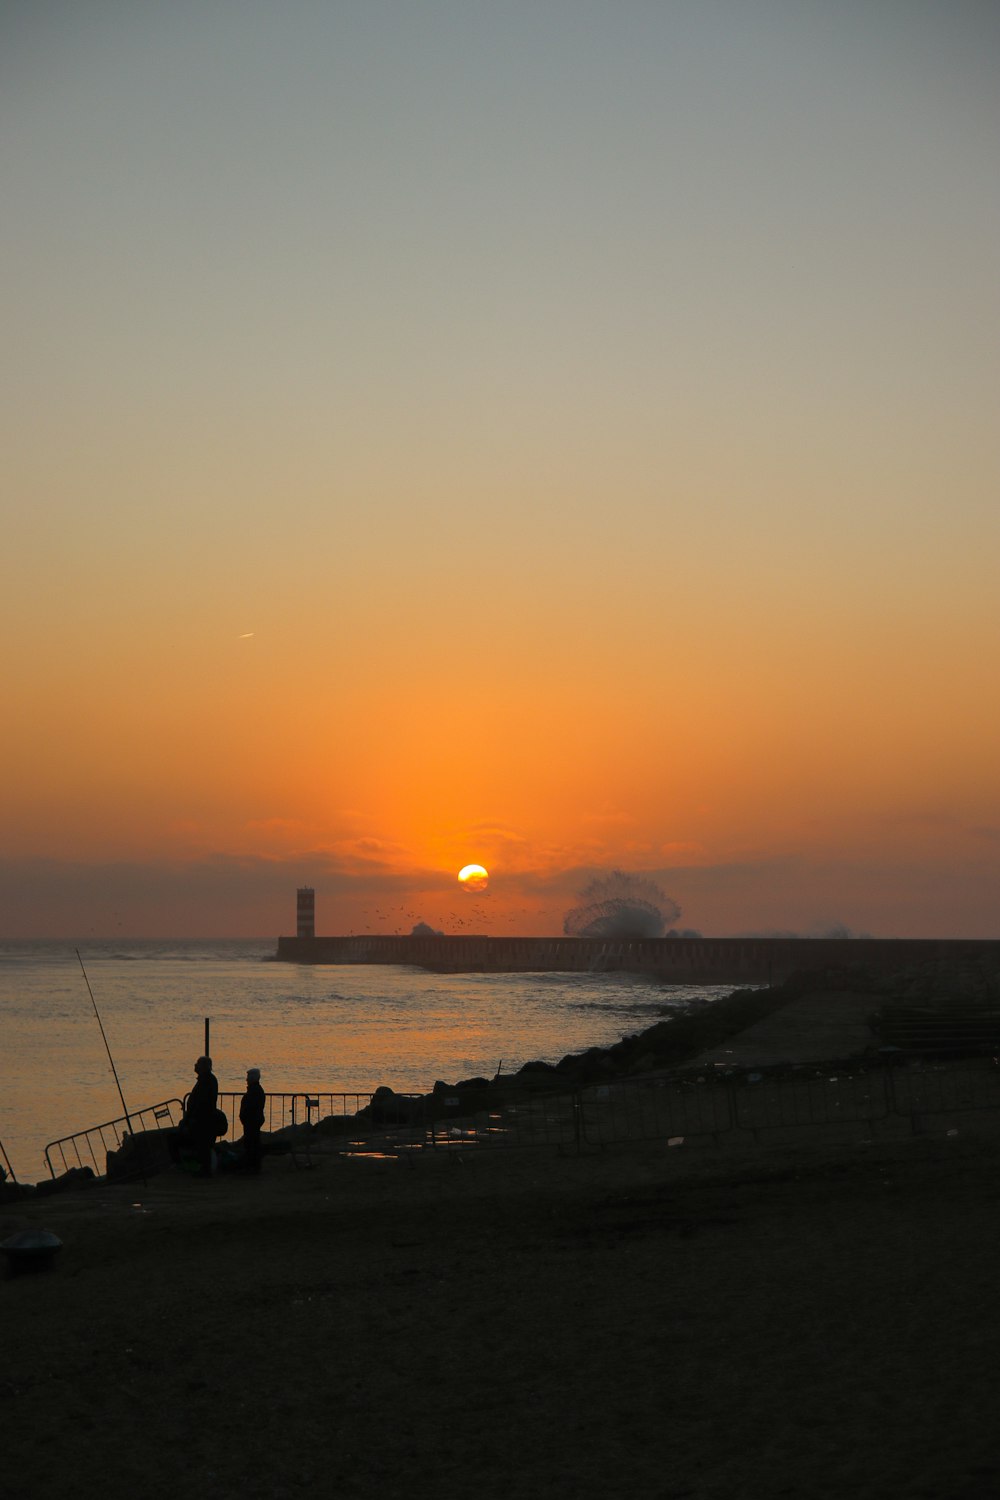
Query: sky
{"type": "Point", "coordinates": [557, 434]}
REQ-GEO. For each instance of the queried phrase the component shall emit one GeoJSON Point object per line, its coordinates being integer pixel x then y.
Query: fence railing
{"type": "Point", "coordinates": [284, 1110]}
{"type": "Point", "coordinates": [754, 1103]}
{"type": "Point", "coordinates": [8, 1170]}
{"type": "Point", "coordinates": [428, 1123]}
{"type": "Point", "coordinates": [81, 1149]}
{"type": "Point", "coordinates": [89, 1148]}
{"type": "Point", "coordinates": [664, 1108]}
{"type": "Point", "coordinates": [650, 1108]}
{"type": "Point", "coordinates": [943, 1090]}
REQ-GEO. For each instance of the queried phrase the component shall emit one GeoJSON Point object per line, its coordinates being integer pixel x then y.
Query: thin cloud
{"type": "Point", "coordinates": [496, 834]}
{"type": "Point", "coordinates": [610, 818]}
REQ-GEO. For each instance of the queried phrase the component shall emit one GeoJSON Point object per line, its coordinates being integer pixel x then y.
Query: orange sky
{"type": "Point", "coordinates": [435, 438]}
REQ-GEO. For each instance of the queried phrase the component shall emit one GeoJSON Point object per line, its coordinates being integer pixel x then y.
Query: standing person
{"type": "Point", "coordinates": [252, 1120]}
{"type": "Point", "coordinates": [199, 1117]}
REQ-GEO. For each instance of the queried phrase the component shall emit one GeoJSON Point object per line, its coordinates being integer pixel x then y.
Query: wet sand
{"type": "Point", "coordinates": [812, 1319]}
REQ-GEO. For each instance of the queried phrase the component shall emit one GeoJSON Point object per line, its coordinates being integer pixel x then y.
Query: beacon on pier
{"type": "Point", "coordinates": [305, 912]}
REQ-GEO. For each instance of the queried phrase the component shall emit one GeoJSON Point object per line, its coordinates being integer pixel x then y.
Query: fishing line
{"type": "Point", "coordinates": [128, 1119]}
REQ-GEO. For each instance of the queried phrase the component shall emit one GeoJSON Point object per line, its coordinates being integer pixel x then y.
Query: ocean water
{"type": "Point", "coordinates": [307, 1027]}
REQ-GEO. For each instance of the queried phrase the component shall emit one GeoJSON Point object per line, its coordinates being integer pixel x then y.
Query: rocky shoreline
{"type": "Point", "coordinates": [945, 988]}
{"type": "Point", "coordinates": [665, 1045]}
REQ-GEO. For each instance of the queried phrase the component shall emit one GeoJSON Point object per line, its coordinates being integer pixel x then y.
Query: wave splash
{"type": "Point", "coordinates": [621, 905]}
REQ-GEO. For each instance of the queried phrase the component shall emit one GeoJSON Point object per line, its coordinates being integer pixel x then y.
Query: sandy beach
{"type": "Point", "coordinates": [783, 1320]}
{"type": "Point", "coordinates": [679, 1324]}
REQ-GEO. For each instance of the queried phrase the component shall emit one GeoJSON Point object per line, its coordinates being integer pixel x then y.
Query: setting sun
{"type": "Point", "coordinates": [473, 878]}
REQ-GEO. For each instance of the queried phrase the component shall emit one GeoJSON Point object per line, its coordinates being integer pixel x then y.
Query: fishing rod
{"type": "Point", "coordinates": [128, 1118]}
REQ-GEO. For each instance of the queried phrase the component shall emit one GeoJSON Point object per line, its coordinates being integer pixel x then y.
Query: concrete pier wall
{"type": "Point", "coordinates": [676, 960]}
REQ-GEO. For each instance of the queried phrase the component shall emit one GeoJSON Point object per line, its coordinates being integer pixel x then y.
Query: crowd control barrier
{"type": "Point", "coordinates": [81, 1149]}
{"type": "Point", "coordinates": [745, 1105]}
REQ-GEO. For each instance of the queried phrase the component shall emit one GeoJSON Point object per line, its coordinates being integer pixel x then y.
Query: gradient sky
{"type": "Point", "coordinates": [555, 434]}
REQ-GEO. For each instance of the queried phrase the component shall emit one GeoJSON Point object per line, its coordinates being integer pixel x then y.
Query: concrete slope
{"type": "Point", "coordinates": [827, 1024]}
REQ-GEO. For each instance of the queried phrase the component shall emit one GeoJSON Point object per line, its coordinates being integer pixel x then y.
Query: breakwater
{"type": "Point", "coordinates": [674, 960]}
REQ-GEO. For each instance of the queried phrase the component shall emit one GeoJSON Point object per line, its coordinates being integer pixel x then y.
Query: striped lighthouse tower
{"type": "Point", "coordinates": [305, 912]}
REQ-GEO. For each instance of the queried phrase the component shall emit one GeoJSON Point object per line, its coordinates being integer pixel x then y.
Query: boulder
{"type": "Point", "coordinates": [389, 1108]}
{"type": "Point", "coordinates": [76, 1177]}
{"type": "Point", "coordinates": [140, 1155]}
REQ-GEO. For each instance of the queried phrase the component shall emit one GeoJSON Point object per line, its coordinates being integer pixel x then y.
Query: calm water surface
{"type": "Point", "coordinates": [307, 1027]}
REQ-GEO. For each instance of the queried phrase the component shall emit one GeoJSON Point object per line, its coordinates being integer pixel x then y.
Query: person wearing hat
{"type": "Point", "coordinates": [252, 1120]}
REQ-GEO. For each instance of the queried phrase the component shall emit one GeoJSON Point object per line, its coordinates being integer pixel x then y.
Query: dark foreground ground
{"type": "Point", "coordinates": [721, 1322]}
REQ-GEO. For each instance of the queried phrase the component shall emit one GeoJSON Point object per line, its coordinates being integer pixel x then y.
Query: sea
{"type": "Point", "coordinates": [67, 1011]}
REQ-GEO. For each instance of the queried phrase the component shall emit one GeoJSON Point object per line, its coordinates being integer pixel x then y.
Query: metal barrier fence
{"type": "Point", "coordinates": [662, 1108]}
{"type": "Point", "coordinates": [811, 1101]}
{"type": "Point", "coordinates": [285, 1110]}
{"type": "Point", "coordinates": [945, 1090]}
{"type": "Point", "coordinates": [7, 1172]}
{"type": "Point", "coordinates": [645, 1109]}
{"type": "Point", "coordinates": [80, 1150]}
{"type": "Point", "coordinates": [652, 1109]}
{"type": "Point", "coordinates": [85, 1148]}
{"type": "Point", "coordinates": [656, 1108]}
{"type": "Point", "coordinates": [428, 1123]}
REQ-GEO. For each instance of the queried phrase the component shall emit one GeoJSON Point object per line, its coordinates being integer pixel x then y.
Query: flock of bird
{"type": "Point", "coordinates": [474, 917]}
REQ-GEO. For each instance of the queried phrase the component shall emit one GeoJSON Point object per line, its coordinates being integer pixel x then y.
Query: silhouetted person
{"type": "Point", "coordinates": [252, 1120]}
{"type": "Point", "coordinates": [199, 1117]}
